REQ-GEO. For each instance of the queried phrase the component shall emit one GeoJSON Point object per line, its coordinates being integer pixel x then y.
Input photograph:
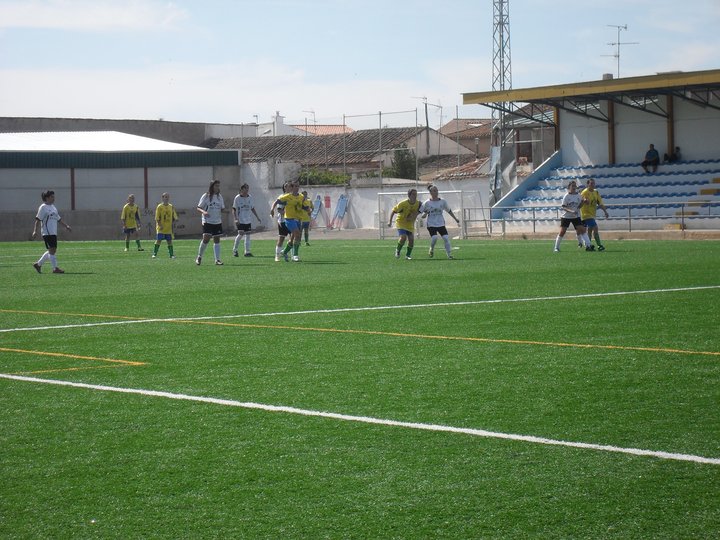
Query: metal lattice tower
{"type": "Point", "coordinates": [501, 80]}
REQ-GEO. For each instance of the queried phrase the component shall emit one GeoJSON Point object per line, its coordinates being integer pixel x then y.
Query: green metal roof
{"type": "Point", "coordinates": [115, 160]}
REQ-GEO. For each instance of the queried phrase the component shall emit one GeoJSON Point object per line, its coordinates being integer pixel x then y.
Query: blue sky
{"type": "Point", "coordinates": [227, 61]}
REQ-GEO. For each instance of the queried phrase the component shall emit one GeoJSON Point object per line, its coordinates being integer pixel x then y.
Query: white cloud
{"type": "Point", "coordinates": [90, 15]}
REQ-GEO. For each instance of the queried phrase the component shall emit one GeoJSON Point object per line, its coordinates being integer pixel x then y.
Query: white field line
{"type": "Point", "coordinates": [369, 308]}
{"type": "Point", "coordinates": [376, 421]}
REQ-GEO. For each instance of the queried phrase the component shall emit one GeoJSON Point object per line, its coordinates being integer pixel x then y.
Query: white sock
{"type": "Point", "coordinates": [237, 242]}
{"type": "Point", "coordinates": [247, 243]}
{"type": "Point", "coordinates": [586, 240]}
{"type": "Point", "coordinates": [202, 248]}
{"type": "Point", "coordinates": [53, 260]}
{"type": "Point", "coordinates": [446, 239]}
{"type": "Point", "coordinates": [433, 241]}
{"type": "Point", "coordinates": [557, 241]}
{"type": "Point", "coordinates": [45, 257]}
{"type": "Point", "coordinates": [216, 249]}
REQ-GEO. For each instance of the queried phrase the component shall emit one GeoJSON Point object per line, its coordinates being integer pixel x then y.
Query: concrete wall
{"type": "Point", "coordinates": [585, 140]}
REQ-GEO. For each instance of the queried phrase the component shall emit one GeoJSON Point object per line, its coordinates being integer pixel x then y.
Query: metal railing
{"type": "Point", "coordinates": [623, 217]}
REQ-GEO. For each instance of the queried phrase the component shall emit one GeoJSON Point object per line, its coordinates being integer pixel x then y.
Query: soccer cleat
{"type": "Point", "coordinates": [601, 248]}
{"type": "Point", "coordinates": [37, 267]}
{"type": "Point", "coordinates": [397, 253]}
{"type": "Point", "coordinates": [450, 257]}
{"type": "Point", "coordinates": [218, 262]}
{"type": "Point", "coordinates": [307, 243]}
{"type": "Point", "coordinates": [248, 255]}
{"type": "Point", "coordinates": [198, 261]}
{"type": "Point", "coordinates": [141, 249]}
{"type": "Point", "coordinates": [556, 250]}
{"type": "Point", "coordinates": [58, 270]}
{"type": "Point", "coordinates": [431, 253]}
{"type": "Point", "coordinates": [277, 258]}
{"type": "Point", "coordinates": [296, 258]}
{"type": "Point", "coordinates": [126, 250]}
{"type": "Point", "coordinates": [286, 256]}
{"type": "Point", "coordinates": [408, 257]}
{"type": "Point", "coordinates": [590, 248]}
{"type": "Point", "coordinates": [235, 253]}
{"type": "Point", "coordinates": [172, 256]}
{"type": "Point", "coordinates": [154, 256]}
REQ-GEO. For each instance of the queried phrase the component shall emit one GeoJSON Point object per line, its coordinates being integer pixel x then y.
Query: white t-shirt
{"type": "Point", "coordinates": [49, 217]}
{"type": "Point", "coordinates": [435, 211]}
{"type": "Point", "coordinates": [213, 207]}
{"type": "Point", "coordinates": [572, 201]}
{"type": "Point", "coordinates": [243, 207]}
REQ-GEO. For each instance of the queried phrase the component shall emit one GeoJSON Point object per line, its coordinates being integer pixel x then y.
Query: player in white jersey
{"type": "Point", "coordinates": [211, 206]}
{"type": "Point", "coordinates": [571, 203]}
{"type": "Point", "coordinates": [242, 210]}
{"type": "Point", "coordinates": [48, 218]}
{"type": "Point", "coordinates": [433, 209]}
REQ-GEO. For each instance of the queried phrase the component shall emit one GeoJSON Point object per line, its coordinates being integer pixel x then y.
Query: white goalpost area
{"type": "Point", "coordinates": [458, 201]}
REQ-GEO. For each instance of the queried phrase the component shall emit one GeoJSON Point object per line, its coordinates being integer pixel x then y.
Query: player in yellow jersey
{"type": "Point", "coordinates": [293, 202]}
{"type": "Point", "coordinates": [165, 218]}
{"type": "Point", "coordinates": [407, 212]}
{"type": "Point", "coordinates": [592, 200]}
{"type": "Point", "coordinates": [130, 218]}
{"type": "Point", "coordinates": [305, 223]}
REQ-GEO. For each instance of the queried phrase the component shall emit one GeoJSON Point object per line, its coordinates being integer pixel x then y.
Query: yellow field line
{"type": "Point", "coordinates": [63, 369]}
{"type": "Point", "coordinates": [457, 338]}
{"type": "Point", "coordinates": [74, 356]}
{"type": "Point", "coordinates": [29, 312]}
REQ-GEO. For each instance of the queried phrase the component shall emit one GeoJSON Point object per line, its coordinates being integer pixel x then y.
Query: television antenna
{"type": "Point", "coordinates": [618, 43]}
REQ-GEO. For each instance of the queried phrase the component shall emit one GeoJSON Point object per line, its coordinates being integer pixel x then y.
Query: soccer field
{"type": "Point", "coordinates": [510, 393]}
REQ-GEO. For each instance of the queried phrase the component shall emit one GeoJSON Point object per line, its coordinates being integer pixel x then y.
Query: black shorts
{"type": "Point", "coordinates": [50, 241]}
{"type": "Point", "coordinates": [576, 222]}
{"type": "Point", "coordinates": [244, 227]}
{"type": "Point", "coordinates": [442, 231]}
{"type": "Point", "coordinates": [213, 229]}
{"type": "Point", "coordinates": [282, 229]}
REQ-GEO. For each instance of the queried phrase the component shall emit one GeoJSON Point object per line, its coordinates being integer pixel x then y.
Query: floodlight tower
{"type": "Point", "coordinates": [501, 80]}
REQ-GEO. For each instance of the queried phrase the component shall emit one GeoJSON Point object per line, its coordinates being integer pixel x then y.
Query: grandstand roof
{"type": "Point", "coordinates": [694, 86]}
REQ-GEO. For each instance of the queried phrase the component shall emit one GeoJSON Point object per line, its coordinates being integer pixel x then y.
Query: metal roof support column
{"type": "Point", "coordinates": [611, 131]}
{"type": "Point", "coordinates": [146, 186]}
{"type": "Point", "coordinates": [72, 188]}
{"type": "Point", "coordinates": [670, 106]}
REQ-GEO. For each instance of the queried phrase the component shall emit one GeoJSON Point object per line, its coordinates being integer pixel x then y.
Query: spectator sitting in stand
{"type": "Point", "coordinates": [652, 158]}
{"type": "Point", "coordinates": [672, 157]}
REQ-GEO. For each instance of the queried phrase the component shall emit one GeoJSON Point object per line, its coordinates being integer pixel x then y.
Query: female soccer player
{"type": "Point", "coordinates": [48, 218]}
{"type": "Point", "coordinates": [571, 204]}
{"type": "Point", "coordinates": [165, 218]}
{"type": "Point", "coordinates": [282, 229]}
{"type": "Point", "coordinates": [293, 203]}
{"type": "Point", "coordinates": [306, 219]}
{"type": "Point", "coordinates": [130, 218]}
{"type": "Point", "coordinates": [407, 211]}
{"type": "Point", "coordinates": [433, 209]}
{"type": "Point", "coordinates": [211, 206]}
{"type": "Point", "coordinates": [242, 208]}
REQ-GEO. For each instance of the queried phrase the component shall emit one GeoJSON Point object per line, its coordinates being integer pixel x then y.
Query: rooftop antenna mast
{"type": "Point", "coordinates": [501, 81]}
{"type": "Point", "coordinates": [618, 43]}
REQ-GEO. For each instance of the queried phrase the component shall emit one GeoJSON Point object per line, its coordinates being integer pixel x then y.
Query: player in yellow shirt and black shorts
{"type": "Point", "coordinates": [130, 218]}
{"type": "Point", "coordinates": [407, 212]}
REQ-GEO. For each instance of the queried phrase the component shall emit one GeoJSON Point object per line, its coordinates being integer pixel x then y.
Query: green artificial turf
{"type": "Point", "coordinates": [619, 348]}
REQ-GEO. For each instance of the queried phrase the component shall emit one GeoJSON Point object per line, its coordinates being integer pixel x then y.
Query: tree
{"type": "Point", "coordinates": [403, 163]}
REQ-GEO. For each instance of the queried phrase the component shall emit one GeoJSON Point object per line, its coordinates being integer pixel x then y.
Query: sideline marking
{"type": "Point", "coordinates": [74, 356]}
{"type": "Point", "coordinates": [377, 421]}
